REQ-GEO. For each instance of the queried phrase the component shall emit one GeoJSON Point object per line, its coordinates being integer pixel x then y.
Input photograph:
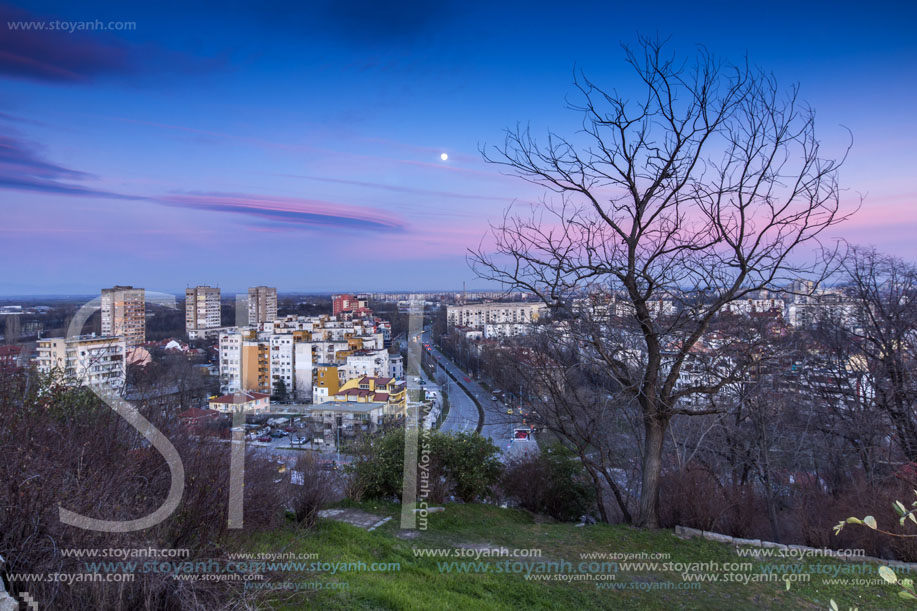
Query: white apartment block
{"type": "Point", "coordinates": [373, 363]}
{"type": "Point", "coordinates": [282, 362]}
{"type": "Point", "coordinates": [124, 314]}
{"type": "Point", "coordinates": [92, 360]}
{"type": "Point", "coordinates": [396, 366]}
{"type": "Point", "coordinates": [807, 314]}
{"type": "Point", "coordinates": [231, 361]}
{"type": "Point", "coordinates": [303, 370]}
{"type": "Point", "coordinates": [501, 330]}
{"type": "Point", "coordinates": [757, 306]}
{"type": "Point", "coordinates": [477, 315]}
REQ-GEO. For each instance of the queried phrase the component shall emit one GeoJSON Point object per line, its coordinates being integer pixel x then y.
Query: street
{"type": "Point", "coordinates": [463, 414]}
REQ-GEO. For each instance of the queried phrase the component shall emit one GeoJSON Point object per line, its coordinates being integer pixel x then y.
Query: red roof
{"type": "Point", "coordinates": [243, 396]}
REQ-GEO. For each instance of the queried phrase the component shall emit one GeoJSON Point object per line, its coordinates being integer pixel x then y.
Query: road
{"type": "Point", "coordinates": [463, 414]}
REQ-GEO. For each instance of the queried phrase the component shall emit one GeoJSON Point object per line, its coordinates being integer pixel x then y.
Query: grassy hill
{"type": "Point", "coordinates": [422, 582]}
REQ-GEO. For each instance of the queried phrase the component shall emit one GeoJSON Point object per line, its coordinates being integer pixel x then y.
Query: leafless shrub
{"type": "Point", "coordinates": [319, 487]}
{"type": "Point", "coordinates": [61, 446]}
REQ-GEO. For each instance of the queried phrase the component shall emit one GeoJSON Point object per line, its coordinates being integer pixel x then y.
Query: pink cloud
{"type": "Point", "coordinates": [284, 213]}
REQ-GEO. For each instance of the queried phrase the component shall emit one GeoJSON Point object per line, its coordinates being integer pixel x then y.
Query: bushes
{"type": "Point", "coordinates": [60, 446]}
{"type": "Point", "coordinates": [466, 465]}
{"type": "Point", "coordinates": [470, 462]}
{"type": "Point", "coordinates": [316, 490]}
{"type": "Point", "coordinates": [463, 464]}
{"type": "Point", "coordinates": [553, 482]}
{"type": "Point", "coordinates": [377, 470]}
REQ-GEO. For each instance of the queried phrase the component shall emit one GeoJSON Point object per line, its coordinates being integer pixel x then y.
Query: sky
{"type": "Point", "coordinates": [298, 145]}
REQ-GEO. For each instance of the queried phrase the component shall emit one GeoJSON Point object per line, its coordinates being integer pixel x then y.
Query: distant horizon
{"type": "Point", "coordinates": [280, 293]}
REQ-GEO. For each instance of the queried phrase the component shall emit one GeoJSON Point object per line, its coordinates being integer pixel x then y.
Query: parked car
{"type": "Point", "coordinates": [289, 429]}
{"type": "Point", "coordinates": [278, 434]}
{"type": "Point", "coordinates": [265, 438]}
{"type": "Point", "coordinates": [299, 440]}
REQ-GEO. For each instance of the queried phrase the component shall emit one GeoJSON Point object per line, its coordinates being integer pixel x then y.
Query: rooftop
{"type": "Point", "coordinates": [240, 397]}
{"type": "Point", "coordinates": [348, 407]}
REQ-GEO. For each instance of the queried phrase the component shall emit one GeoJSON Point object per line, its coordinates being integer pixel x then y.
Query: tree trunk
{"type": "Point", "coordinates": [599, 493]}
{"type": "Point", "coordinates": [622, 505]}
{"type": "Point", "coordinates": [654, 427]}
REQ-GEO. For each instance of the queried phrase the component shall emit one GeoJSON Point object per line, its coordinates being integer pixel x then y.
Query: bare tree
{"type": "Point", "coordinates": [708, 188]}
{"type": "Point", "coordinates": [874, 350]}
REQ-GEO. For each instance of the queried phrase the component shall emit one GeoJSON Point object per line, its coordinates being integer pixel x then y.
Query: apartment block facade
{"type": "Point", "coordinates": [262, 304]}
{"type": "Point", "coordinates": [89, 359]}
{"type": "Point", "coordinates": [202, 310]}
{"type": "Point", "coordinates": [478, 315]}
{"type": "Point", "coordinates": [300, 355]}
{"type": "Point", "coordinates": [124, 314]}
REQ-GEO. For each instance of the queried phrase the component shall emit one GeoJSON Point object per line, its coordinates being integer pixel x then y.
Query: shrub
{"type": "Point", "coordinates": [469, 462]}
{"type": "Point", "coordinates": [61, 446]}
{"type": "Point", "coordinates": [553, 482]}
{"type": "Point", "coordinates": [316, 490]}
{"type": "Point", "coordinates": [465, 465]}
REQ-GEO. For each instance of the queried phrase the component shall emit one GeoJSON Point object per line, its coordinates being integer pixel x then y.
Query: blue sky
{"type": "Point", "coordinates": [298, 145]}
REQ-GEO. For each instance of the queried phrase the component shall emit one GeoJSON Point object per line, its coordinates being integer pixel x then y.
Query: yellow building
{"type": "Point", "coordinates": [327, 382]}
{"type": "Point", "coordinates": [367, 389]}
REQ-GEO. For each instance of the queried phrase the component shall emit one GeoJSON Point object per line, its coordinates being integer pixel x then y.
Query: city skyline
{"type": "Point", "coordinates": [301, 148]}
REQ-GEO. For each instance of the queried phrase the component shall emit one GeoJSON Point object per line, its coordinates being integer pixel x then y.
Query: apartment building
{"type": "Point", "coordinates": [805, 311]}
{"type": "Point", "coordinates": [124, 314]}
{"type": "Point", "coordinates": [369, 389]}
{"type": "Point", "coordinates": [506, 329]}
{"type": "Point", "coordinates": [328, 380]}
{"type": "Point", "coordinates": [293, 354]}
{"type": "Point", "coordinates": [92, 360]}
{"type": "Point", "coordinates": [478, 315]}
{"type": "Point", "coordinates": [396, 366]}
{"type": "Point", "coordinates": [202, 311]}
{"type": "Point", "coordinates": [348, 303]}
{"type": "Point", "coordinates": [755, 306]}
{"type": "Point", "coordinates": [262, 304]}
{"type": "Point", "coordinates": [374, 363]}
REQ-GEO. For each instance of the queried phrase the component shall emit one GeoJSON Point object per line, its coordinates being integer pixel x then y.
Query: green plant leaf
{"type": "Point", "coordinates": [870, 522]}
{"type": "Point", "coordinates": [887, 574]}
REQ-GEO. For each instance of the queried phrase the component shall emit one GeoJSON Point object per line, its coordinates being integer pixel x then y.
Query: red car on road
{"type": "Point", "coordinates": [467, 379]}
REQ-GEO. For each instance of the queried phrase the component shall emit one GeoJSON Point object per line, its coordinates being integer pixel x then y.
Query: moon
{"type": "Point", "coordinates": [444, 156]}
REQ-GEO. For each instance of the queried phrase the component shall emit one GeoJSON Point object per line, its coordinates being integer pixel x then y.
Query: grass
{"type": "Point", "coordinates": [424, 582]}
